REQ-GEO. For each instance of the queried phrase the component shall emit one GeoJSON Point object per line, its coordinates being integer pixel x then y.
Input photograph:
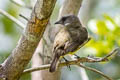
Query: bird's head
{"type": "Point", "coordinates": [68, 20]}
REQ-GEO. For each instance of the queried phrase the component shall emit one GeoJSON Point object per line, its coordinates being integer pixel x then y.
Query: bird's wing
{"type": "Point", "coordinates": [78, 36]}
{"type": "Point", "coordinates": [71, 47]}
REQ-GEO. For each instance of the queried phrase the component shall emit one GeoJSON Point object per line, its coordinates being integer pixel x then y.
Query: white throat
{"type": "Point", "coordinates": [66, 24]}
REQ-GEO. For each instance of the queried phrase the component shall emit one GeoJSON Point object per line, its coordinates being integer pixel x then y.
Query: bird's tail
{"type": "Point", "coordinates": [54, 63]}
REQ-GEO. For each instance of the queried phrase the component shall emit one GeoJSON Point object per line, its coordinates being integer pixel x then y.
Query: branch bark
{"type": "Point", "coordinates": [75, 62]}
{"type": "Point", "coordinates": [94, 70]}
{"type": "Point", "coordinates": [13, 66]}
{"type": "Point", "coordinates": [78, 62]}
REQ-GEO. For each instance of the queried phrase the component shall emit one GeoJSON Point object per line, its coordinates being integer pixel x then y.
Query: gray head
{"type": "Point", "coordinates": [68, 20]}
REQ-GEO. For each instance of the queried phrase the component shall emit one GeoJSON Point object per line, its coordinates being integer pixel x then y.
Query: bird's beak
{"type": "Point", "coordinates": [59, 22]}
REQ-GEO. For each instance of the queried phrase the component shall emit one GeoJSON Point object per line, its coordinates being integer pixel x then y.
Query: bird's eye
{"type": "Point", "coordinates": [64, 18]}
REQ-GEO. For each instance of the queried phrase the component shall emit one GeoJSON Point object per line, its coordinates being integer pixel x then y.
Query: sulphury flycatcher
{"type": "Point", "coordinates": [68, 39]}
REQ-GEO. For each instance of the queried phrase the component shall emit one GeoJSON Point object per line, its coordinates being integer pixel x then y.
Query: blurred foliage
{"type": "Point", "coordinates": [107, 35]}
{"type": "Point", "coordinates": [7, 23]}
{"type": "Point", "coordinates": [27, 2]}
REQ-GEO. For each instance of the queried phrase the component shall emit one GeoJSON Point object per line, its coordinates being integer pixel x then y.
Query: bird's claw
{"type": "Point", "coordinates": [90, 56]}
{"type": "Point", "coordinates": [67, 64]}
{"type": "Point", "coordinates": [76, 56]}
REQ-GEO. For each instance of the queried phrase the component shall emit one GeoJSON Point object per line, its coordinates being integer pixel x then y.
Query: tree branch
{"type": "Point", "coordinates": [75, 62]}
{"type": "Point", "coordinates": [94, 70]}
{"type": "Point", "coordinates": [20, 24]}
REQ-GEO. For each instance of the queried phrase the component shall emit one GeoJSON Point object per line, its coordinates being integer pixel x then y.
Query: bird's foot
{"type": "Point", "coordinates": [90, 56]}
{"type": "Point", "coordinates": [68, 65]}
{"type": "Point", "coordinates": [76, 56]}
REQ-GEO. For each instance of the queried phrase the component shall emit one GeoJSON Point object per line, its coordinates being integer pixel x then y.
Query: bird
{"type": "Point", "coordinates": [68, 39]}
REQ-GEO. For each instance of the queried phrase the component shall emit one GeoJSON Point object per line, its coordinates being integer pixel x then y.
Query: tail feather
{"type": "Point", "coordinates": [54, 64]}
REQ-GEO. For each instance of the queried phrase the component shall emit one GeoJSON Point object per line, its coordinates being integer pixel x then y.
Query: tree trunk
{"type": "Point", "coordinates": [14, 65]}
{"type": "Point", "coordinates": [86, 10]}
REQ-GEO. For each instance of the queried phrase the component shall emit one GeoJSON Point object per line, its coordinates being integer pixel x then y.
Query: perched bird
{"type": "Point", "coordinates": [68, 39]}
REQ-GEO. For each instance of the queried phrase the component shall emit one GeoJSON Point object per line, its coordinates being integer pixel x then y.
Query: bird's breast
{"type": "Point", "coordinates": [62, 37]}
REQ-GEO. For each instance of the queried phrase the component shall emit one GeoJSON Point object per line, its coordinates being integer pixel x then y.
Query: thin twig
{"type": "Point", "coordinates": [94, 70]}
{"type": "Point", "coordinates": [42, 67]}
{"type": "Point", "coordinates": [74, 62]}
{"type": "Point", "coordinates": [20, 24]}
{"type": "Point", "coordinates": [105, 58]}
{"type": "Point", "coordinates": [116, 50]}
{"type": "Point", "coordinates": [23, 17]}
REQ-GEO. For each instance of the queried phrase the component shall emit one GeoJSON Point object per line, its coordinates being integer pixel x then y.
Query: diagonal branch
{"type": "Point", "coordinates": [20, 24]}
{"type": "Point", "coordinates": [94, 70]}
{"type": "Point", "coordinates": [74, 62]}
